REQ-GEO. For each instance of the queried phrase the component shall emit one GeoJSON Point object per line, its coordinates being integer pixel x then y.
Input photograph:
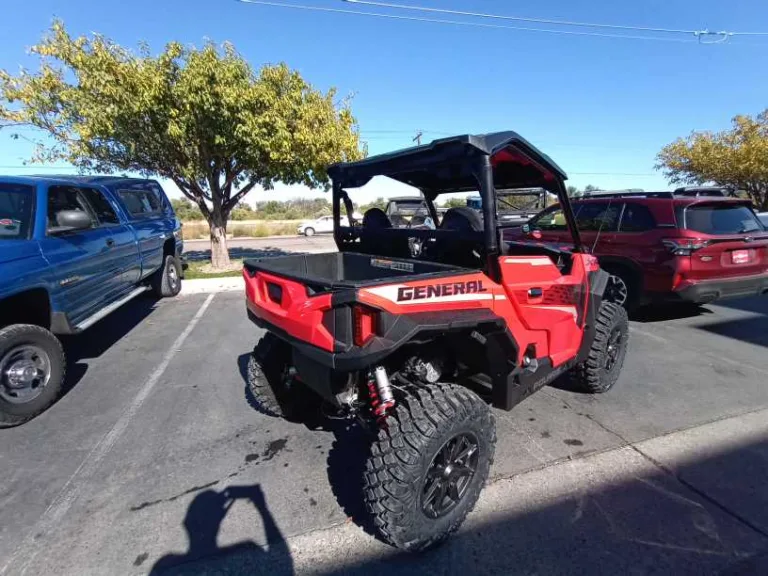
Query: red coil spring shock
{"type": "Point", "coordinates": [380, 394]}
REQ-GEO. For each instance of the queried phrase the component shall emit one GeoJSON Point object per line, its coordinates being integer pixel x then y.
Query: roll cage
{"type": "Point", "coordinates": [484, 163]}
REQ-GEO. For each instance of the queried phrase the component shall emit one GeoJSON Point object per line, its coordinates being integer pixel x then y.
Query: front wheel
{"type": "Point", "coordinates": [32, 367]}
{"type": "Point", "coordinates": [599, 372]}
{"type": "Point", "coordinates": [428, 465]}
{"type": "Point", "coordinates": [309, 232]}
{"type": "Point", "coordinates": [166, 282]}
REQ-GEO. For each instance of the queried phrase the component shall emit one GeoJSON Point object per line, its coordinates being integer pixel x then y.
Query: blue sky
{"type": "Point", "coordinates": [600, 107]}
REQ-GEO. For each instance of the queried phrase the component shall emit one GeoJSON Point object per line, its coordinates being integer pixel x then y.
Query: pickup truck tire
{"type": "Point", "coordinates": [166, 281]}
{"type": "Point", "coordinates": [428, 464]}
{"type": "Point", "coordinates": [24, 350]}
{"type": "Point", "coordinates": [599, 372]}
{"type": "Point", "coordinates": [272, 388]}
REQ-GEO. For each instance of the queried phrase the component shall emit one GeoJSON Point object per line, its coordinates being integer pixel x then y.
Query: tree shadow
{"type": "Point", "coordinates": [100, 337]}
{"type": "Point", "coordinates": [757, 304]}
{"type": "Point", "coordinates": [749, 330]}
{"type": "Point", "coordinates": [240, 253]}
{"type": "Point", "coordinates": [202, 522]}
{"type": "Point", "coordinates": [662, 312]}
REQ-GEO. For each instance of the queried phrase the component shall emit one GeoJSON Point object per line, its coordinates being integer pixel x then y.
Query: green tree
{"type": "Point", "coordinates": [455, 203]}
{"type": "Point", "coordinates": [737, 157]}
{"type": "Point", "coordinates": [590, 188]}
{"type": "Point", "coordinates": [380, 203]}
{"type": "Point", "coordinates": [202, 118]}
{"type": "Point", "coordinates": [573, 192]}
{"type": "Point", "coordinates": [185, 210]}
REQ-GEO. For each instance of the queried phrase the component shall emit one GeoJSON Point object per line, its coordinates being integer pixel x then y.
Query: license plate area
{"type": "Point", "coordinates": [740, 257]}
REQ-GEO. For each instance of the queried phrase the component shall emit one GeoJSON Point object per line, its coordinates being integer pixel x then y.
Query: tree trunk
{"type": "Point", "coordinates": [219, 250]}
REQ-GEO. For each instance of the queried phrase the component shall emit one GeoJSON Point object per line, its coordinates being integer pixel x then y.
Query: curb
{"type": "Point", "coordinates": [209, 285]}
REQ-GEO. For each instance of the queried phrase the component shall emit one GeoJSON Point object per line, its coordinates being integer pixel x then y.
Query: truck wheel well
{"type": "Point", "coordinates": [30, 307]}
{"type": "Point", "coordinates": [169, 248]}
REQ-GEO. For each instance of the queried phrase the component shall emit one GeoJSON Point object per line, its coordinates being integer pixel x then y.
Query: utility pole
{"type": "Point", "coordinates": [417, 139]}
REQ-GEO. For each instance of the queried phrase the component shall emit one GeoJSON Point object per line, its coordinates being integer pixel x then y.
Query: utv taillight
{"type": "Point", "coordinates": [684, 246]}
{"type": "Point", "coordinates": [365, 320]}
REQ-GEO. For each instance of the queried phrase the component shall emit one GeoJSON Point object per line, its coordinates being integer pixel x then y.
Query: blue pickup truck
{"type": "Point", "coordinates": [72, 250]}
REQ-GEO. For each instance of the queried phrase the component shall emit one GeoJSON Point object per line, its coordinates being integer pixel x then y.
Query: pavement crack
{"type": "Point", "coordinates": [701, 493]}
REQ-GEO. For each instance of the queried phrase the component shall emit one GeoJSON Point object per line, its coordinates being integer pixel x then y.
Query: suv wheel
{"type": "Point", "coordinates": [272, 386]}
{"type": "Point", "coordinates": [32, 367]}
{"type": "Point", "coordinates": [428, 465]}
{"type": "Point", "coordinates": [617, 291]}
{"type": "Point", "coordinates": [599, 372]}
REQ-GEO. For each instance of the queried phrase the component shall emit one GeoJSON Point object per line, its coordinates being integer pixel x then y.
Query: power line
{"type": "Point", "coordinates": [465, 23]}
{"type": "Point", "coordinates": [519, 18]}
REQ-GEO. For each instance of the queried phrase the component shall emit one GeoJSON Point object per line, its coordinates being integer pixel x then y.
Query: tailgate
{"type": "Point", "coordinates": [734, 241]}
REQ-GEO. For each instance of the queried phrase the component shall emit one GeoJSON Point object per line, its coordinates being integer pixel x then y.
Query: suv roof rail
{"type": "Point", "coordinates": [619, 194]}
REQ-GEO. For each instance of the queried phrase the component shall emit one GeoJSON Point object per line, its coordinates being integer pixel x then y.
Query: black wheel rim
{"type": "Point", "coordinates": [618, 291]}
{"type": "Point", "coordinates": [614, 348]}
{"type": "Point", "coordinates": [449, 475]}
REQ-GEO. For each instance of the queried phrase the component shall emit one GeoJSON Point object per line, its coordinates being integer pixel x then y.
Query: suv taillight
{"type": "Point", "coordinates": [365, 320]}
{"type": "Point", "coordinates": [684, 246]}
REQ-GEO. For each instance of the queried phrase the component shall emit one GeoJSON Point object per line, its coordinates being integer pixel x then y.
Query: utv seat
{"type": "Point", "coordinates": [374, 238]}
{"type": "Point", "coordinates": [464, 247]}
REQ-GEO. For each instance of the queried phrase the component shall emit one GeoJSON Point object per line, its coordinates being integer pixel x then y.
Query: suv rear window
{"type": "Point", "coordinates": [721, 219]}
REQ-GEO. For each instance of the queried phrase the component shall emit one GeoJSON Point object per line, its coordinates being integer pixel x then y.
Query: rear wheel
{"type": "Point", "coordinates": [623, 288]}
{"type": "Point", "coordinates": [599, 372]}
{"type": "Point", "coordinates": [32, 367]}
{"type": "Point", "coordinates": [428, 465]}
{"type": "Point", "coordinates": [273, 385]}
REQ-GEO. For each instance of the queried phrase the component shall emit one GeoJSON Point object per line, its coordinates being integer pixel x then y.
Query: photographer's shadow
{"type": "Point", "coordinates": [202, 523]}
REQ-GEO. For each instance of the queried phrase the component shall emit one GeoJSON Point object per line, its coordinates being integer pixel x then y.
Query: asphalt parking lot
{"type": "Point", "coordinates": [155, 460]}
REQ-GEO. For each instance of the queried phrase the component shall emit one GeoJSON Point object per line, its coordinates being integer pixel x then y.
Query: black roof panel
{"type": "Point", "coordinates": [444, 165]}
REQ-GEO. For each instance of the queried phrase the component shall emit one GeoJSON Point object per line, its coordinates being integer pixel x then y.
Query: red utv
{"type": "Point", "coordinates": [661, 246]}
{"type": "Point", "coordinates": [402, 342]}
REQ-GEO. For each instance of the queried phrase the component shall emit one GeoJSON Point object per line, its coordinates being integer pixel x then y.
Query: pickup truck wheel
{"type": "Point", "coordinates": [428, 465]}
{"type": "Point", "coordinates": [599, 372]}
{"type": "Point", "coordinates": [272, 386]}
{"type": "Point", "coordinates": [166, 282]}
{"type": "Point", "coordinates": [32, 367]}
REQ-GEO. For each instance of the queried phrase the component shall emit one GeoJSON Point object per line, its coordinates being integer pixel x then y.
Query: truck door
{"type": "Point", "coordinates": [150, 223]}
{"type": "Point", "coordinates": [87, 267]}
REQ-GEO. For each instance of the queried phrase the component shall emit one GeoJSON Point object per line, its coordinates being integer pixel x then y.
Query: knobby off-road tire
{"type": "Point", "coordinates": [166, 282]}
{"type": "Point", "coordinates": [25, 345]}
{"type": "Point", "coordinates": [599, 372]}
{"type": "Point", "coordinates": [272, 388]}
{"type": "Point", "coordinates": [409, 454]}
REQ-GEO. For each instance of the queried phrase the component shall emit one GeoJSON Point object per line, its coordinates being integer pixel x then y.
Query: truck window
{"type": "Point", "coordinates": [62, 198]}
{"type": "Point", "coordinates": [141, 203]}
{"type": "Point", "coordinates": [16, 211]}
{"type": "Point", "coordinates": [102, 209]}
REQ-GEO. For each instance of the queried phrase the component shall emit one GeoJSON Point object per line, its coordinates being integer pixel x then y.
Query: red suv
{"type": "Point", "coordinates": [660, 246]}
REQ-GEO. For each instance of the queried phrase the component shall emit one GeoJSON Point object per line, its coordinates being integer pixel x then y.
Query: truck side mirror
{"type": "Point", "coordinates": [73, 220]}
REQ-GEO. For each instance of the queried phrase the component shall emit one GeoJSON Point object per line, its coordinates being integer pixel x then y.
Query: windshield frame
{"type": "Point", "coordinates": [28, 214]}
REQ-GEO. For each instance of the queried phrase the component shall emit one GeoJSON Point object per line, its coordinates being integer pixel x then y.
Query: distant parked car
{"type": "Point", "coordinates": [72, 250]}
{"type": "Point", "coordinates": [661, 246]}
{"type": "Point", "coordinates": [322, 225]}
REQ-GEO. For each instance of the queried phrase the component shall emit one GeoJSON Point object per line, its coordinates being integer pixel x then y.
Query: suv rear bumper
{"type": "Point", "coordinates": [704, 291]}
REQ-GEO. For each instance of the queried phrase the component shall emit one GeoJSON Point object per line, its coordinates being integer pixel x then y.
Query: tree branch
{"type": "Point", "coordinates": [240, 195]}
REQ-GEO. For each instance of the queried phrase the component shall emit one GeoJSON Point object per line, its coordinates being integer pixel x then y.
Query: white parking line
{"type": "Point", "coordinates": [26, 552]}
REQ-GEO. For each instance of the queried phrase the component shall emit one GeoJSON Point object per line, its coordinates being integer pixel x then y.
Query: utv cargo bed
{"type": "Point", "coordinates": [321, 272]}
